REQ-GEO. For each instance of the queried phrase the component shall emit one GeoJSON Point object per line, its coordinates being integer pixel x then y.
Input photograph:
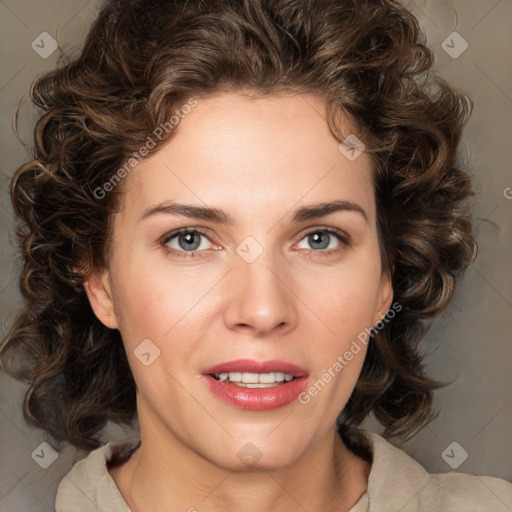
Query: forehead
{"type": "Point", "coordinates": [234, 151]}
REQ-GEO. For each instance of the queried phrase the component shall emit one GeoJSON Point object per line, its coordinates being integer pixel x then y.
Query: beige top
{"type": "Point", "coordinates": [396, 483]}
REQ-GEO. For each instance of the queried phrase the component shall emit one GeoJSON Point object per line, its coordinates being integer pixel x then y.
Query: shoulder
{"type": "Point", "coordinates": [398, 482]}
{"type": "Point", "coordinates": [88, 487]}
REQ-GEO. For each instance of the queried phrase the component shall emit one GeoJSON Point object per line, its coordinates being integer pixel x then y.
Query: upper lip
{"type": "Point", "coordinates": [253, 366]}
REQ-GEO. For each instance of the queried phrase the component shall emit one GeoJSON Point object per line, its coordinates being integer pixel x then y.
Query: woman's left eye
{"type": "Point", "coordinates": [326, 240]}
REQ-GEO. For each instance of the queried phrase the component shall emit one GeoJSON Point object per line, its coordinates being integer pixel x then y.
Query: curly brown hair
{"type": "Point", "coordinates": [141, 60]}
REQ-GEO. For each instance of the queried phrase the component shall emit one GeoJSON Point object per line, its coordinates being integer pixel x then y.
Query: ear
{"type": "Point", "coordinates": [99, 292]}
{"type": "Point", "coordinates": [384, 296]}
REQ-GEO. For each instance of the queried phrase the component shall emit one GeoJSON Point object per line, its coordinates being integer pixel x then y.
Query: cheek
{"type": "Point", "coordinates": [153, 311]}
{"type": "Point", "coordinates": [344, 308]}
{"type": "Point", "coordinates": [152, 296]}
{"type": "Point", "coordinates": [140, 311]}
{"type": "Point", "coordinates": [344, 298]}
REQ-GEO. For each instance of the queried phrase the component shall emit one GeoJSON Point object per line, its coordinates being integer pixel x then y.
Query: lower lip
{"type": "Point", "coordinates": [257, 399]}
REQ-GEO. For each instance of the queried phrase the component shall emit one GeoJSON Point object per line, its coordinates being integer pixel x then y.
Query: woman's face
{"type": "Point", "coordinates": [272, 280]}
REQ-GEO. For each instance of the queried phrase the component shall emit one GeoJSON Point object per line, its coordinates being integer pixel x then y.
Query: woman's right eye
{"type": "Point", "coordinates": [187, 242]}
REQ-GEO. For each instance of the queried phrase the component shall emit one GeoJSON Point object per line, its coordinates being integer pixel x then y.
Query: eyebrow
{"type": "Point", "coordinates": [221, 217]}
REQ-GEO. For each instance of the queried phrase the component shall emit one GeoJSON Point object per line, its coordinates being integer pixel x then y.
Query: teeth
{"type": "Point", "coordinates": [279, 376]}
{"type": "Point", "coordinates": [252, 380]}
{"type": "Point", "coordinates": [266, 378]}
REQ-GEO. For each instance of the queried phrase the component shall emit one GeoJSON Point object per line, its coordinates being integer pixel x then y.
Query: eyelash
{"type": "Point", "coordinates": [340, 235]}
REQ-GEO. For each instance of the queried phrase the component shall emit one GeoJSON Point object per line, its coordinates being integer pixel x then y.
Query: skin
{"type": "Point", "coordinates": [258, 160]}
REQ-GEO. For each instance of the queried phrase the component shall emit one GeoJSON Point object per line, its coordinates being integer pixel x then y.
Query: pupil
{"type": "Point", "coordinates": [322, 240]}
{"type": "Point", "coordinates": [188, 239]}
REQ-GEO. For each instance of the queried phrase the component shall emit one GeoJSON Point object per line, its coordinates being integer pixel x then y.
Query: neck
{"type": "Point", "coordinates": [165, 474]}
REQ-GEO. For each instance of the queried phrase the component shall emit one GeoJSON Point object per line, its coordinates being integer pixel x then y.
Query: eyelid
{"type": "Point", "coordinates": [183, 231]}
{"type": "Point", "coordinates": [328, 229]}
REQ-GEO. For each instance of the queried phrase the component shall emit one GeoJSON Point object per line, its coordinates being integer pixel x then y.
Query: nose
{"type": "Point", "coordinates": [260, 299]}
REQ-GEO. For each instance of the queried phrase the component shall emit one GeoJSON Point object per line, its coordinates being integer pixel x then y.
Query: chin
{"type": "Point", "coordinates": [249, 459]}
{"type": "Point", "coordinates": [255, 453]}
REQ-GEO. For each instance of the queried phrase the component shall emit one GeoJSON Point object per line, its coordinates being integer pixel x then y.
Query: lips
{"type": "Point", "coordinates": [265, 398]}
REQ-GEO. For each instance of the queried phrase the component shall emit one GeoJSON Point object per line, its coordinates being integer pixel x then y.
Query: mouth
{"type": "Point", "coordinates": [256, 385]}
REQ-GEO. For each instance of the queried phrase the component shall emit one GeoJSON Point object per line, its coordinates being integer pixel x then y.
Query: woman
{"type": "Point", "coordinates": [240, 216]}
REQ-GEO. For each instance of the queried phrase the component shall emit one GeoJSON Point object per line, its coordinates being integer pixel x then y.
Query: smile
{"type": "Point", "coordinates": [256, 385]}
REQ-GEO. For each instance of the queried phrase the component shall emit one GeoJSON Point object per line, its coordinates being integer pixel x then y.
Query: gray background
{"type": "Point", "coordinates": [471, 341]}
